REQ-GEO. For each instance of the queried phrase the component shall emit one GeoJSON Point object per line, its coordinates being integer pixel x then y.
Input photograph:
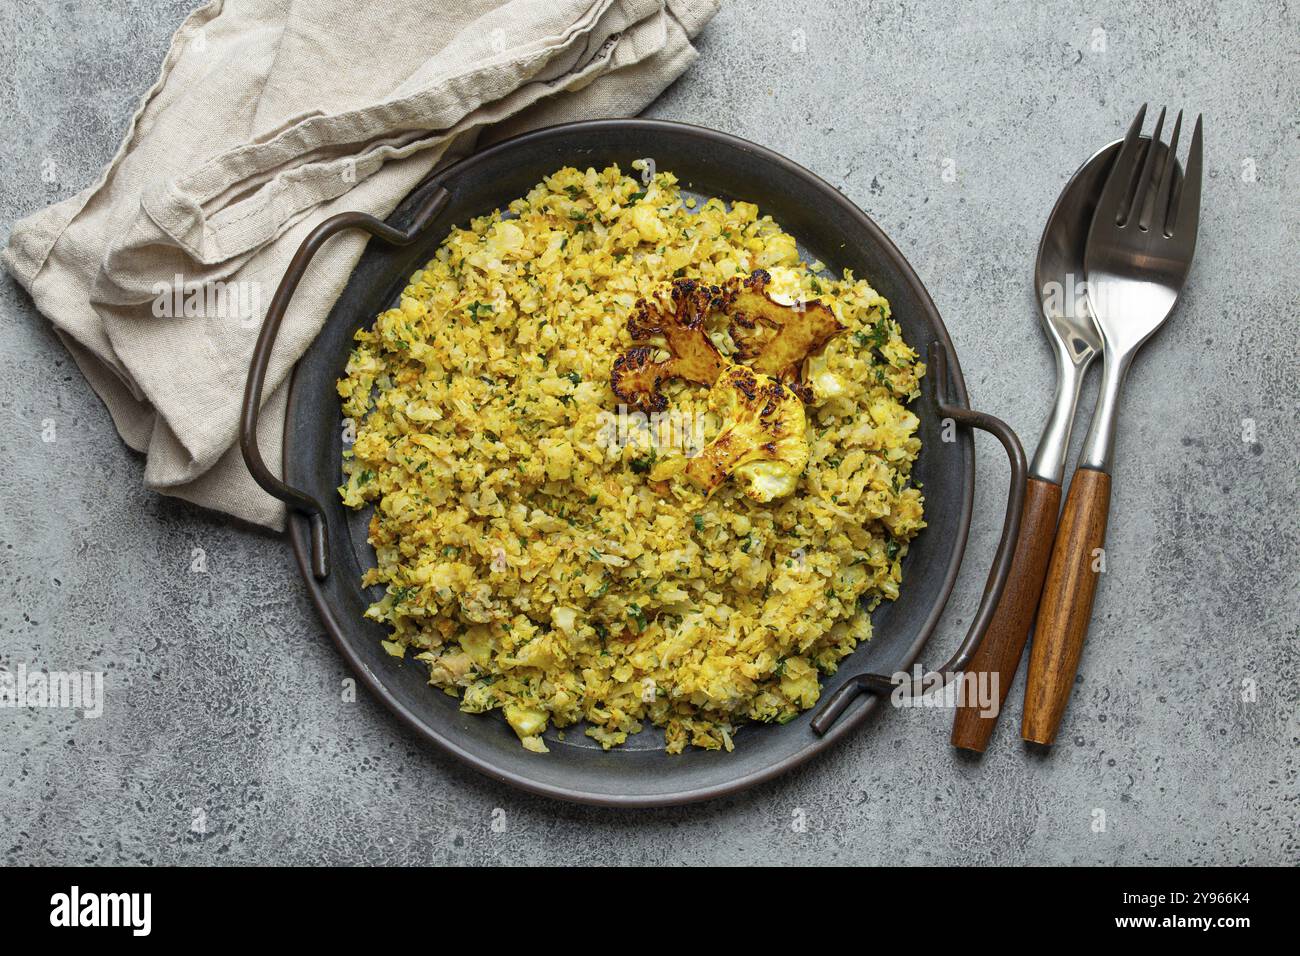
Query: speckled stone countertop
{"type": "Point", "coordinates": [226, 738]}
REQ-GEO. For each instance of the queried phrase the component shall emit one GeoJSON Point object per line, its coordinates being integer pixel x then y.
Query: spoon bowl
{"type": "Point", "coordinates": [1066, 312]}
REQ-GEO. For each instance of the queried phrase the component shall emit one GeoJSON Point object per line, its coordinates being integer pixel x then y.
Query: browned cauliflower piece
{"type": "Point", "coordinates": [801, 331]}
{"type": "Point", "coordinates": [677, 327]}
{"type": "Point", "coordinates": [762, 438]}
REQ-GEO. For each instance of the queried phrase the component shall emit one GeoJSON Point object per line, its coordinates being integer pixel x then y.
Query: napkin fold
{"type": "Point", "coordinates": [268, 117]}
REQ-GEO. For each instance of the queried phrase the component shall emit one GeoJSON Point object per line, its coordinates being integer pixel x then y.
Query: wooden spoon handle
{"type": "Point", "coordinates": [999, 653]}
{"type": "Point", "coordinates": [1066, 605]}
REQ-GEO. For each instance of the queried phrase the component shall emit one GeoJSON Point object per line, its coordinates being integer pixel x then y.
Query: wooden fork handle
{"type": "Point", "coordinates": [1066, 605]}
{"type": "Point", "coordinates": [999, 653]}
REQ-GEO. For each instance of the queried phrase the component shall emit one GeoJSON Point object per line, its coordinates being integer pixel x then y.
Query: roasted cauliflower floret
{"type": "Point", "coordinates": [772, 338]}
{"type": "Point", "coordinates": [762, 437]}
{"type": "Point", "coordinates": [675, 326]}
{"type": "Point", "coordinates": [801, 331]}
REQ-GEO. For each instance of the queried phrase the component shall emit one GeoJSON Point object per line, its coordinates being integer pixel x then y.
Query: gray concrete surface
{"type": "Point", "coordinates": [223, 694]}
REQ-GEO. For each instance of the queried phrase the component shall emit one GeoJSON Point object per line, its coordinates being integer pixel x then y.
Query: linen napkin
{"type": "Point", "coordinates": [268, 117]}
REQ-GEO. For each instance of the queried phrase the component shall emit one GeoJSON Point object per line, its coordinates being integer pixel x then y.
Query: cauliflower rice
{"type": "Point", "coordinates": [546, 557]}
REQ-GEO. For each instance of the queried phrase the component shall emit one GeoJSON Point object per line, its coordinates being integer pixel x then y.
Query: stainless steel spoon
{"type": "Point", "coordinates": [1067, 320]}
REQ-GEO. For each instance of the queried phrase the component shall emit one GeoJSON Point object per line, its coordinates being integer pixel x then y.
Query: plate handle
{"type": "Point", "coordinates": [298, 500]}
{"type": "Point", "coordinates": [833, 708]}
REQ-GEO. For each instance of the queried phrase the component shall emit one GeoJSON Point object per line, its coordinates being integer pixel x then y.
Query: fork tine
{"type": "Point", "coordinates": [1139, 206]}
{"type": "Point", "coordinates": [1188, 214]}
{"type": "Point", "coordinates": [1161, 210]}
{"type": "Point", "coordinates": [1116, 191]}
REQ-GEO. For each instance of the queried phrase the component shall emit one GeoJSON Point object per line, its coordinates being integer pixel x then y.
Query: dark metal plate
{"type": "Point", "coordinates": [828, 227]}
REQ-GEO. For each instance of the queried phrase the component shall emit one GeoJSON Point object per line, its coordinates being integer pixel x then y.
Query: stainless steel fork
{"type": "Point", "coordinates": [1139, 251]}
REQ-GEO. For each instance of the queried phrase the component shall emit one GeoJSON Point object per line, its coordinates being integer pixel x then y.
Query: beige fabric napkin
{"type": "Point", "coordinates": [269, 116]}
